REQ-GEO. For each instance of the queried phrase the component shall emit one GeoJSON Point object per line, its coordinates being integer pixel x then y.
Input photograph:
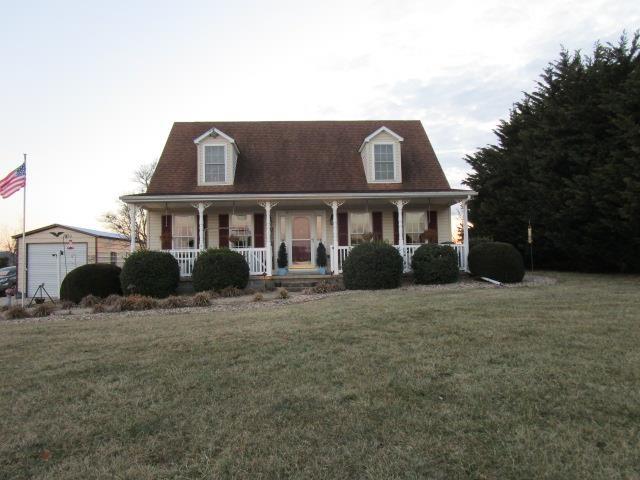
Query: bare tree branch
{"type": "Point", "coordinates": [7, 242]}
{"type": "Point", "coordinates": [118, 221]}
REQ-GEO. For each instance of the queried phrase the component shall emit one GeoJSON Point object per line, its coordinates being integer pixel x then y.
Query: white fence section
{"type": "Point", "coordinates": [342, 254]}
{"type": "Point", "coordinates": [256, 258]}
{"type": "Point", "coordinates": [462, 258]}
{"type": "Point", "coordinates": [407, 252]}
{"type": "Point", "coordinates": [186, 258]}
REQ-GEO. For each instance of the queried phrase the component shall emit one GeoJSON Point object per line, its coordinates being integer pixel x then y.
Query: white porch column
{"type": "Point", "coordinates": [132, 226]}
{"type": "Point", "coordinates": [267, 233]}
{"type": "Point", "coordinates": [201, 207]}
{"type": "Point", "coordinates": [335, 204]}
{"type": "Point", "coordinates": [400, 205]}
{"type": "Point", "coordinates": [465, 229]}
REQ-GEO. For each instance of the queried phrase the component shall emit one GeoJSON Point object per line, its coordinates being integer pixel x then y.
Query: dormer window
{"type": "Point", "coordinates": [214, 163]}
{"type": "Point", "coordinates": [383, 161]}
{"type": "Point", "coordinates": [217, 155]}
{"type": "Point", "coordinates": [381, 156]}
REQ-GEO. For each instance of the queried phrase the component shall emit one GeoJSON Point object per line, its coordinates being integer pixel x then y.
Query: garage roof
{"type": "Point", "coordinates": [86, 231]}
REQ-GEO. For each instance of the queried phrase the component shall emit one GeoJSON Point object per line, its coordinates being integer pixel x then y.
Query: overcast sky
{"type": "Point", "coordinates": [90, 89]}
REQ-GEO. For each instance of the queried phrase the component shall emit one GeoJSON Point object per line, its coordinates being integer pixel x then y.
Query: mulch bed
{"type": "Point", "coordinates": [271, 299]}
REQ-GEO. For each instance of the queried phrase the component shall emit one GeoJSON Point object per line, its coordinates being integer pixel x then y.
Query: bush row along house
{"type": "Point", "coordinates": [250, 186]}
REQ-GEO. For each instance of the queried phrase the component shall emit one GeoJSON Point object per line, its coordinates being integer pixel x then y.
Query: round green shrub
{"type": "Point", "coordinates": [372, 266]}
{"type": "Point", "coordinates": [150, 273]}
{"type": "Point", "coordinates": [97, 279]}
{"type": "Point", "coordinates": [216, 269]}
{"type": "Point", "coordinates": [433, 263]}
{"type": "Point", "coordinates": [498, 261]}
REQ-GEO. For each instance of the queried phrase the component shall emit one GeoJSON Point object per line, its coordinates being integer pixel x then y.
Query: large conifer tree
{"type": "Point", "coordinates": [568, 159]}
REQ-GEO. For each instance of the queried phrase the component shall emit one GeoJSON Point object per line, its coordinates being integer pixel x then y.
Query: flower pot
{"type": "Point", "coordinates": [282, 271]}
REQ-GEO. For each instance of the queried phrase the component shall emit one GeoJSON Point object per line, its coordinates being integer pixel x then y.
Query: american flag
{"type": "Point", "coordinates": [13, 182]}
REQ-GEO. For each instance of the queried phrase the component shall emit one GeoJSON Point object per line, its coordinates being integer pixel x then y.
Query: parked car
{"type": "Point", "coordinates": [7, 279]}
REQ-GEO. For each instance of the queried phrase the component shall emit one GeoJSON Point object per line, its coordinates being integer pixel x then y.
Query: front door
{"type": "Point", "coordinates": [301, 240]}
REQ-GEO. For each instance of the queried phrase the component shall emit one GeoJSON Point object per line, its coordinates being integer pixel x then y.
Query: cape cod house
{"type": "Point", "coordinates": [250, 186]}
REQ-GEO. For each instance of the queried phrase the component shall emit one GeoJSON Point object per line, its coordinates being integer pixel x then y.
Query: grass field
{"type": "Point", "coordinates": [518, 383]}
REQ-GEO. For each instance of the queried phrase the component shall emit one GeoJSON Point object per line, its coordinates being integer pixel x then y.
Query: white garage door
{"type": "Point", "coordinates": [48, 263]}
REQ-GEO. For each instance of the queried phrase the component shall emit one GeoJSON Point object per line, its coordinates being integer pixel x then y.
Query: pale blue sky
{"type": "Point", "coordinates": [89, 89]}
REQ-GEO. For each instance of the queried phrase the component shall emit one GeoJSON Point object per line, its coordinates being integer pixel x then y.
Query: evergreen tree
{"type": "Point", "coordinates": [568, 159]}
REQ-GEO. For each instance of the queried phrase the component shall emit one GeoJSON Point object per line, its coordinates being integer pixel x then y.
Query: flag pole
{"type": "Point", "coordinates": [24, 224]}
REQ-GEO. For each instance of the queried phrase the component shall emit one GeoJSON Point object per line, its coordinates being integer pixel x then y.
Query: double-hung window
{"type": "Point", "coordinates": [214, 164]}
{"type": "Point", "coordinates": [415, 226]}
{"type": "Point", "coordinates": [359, 226]}
{"type": "Point", "coordinates": [383, 161]}
{"type": "Point", "coordinates": [184, 231]}
{"type": "Point", "coordinates": [241, 231]}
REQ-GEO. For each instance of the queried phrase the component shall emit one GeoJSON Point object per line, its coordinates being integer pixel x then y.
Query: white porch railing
{"type": "Point", "coordinates": [343, 252]}
{"type": "Point", "coordinates": [256, 259]}
{"type": "Point", "coordinates": [407, 252]}
{"type": "Point", "coordinates": [186, 258]}
{"type": "Point", "coordinates": [462, 258]}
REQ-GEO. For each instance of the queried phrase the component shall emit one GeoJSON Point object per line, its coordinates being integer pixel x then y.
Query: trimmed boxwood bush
{"type": "Point", "coordinates": [372, 266]}
{"type": "Point", "coordinates": [98, 279]}
{"type": "Point", "coordinates": [150, 273]}
{"type": "Point", "coordinates": [498, 261]}
{"type": "Point", "coordinates": [217, 269]}
{"type": "Point", "coordinates": [433, 263]}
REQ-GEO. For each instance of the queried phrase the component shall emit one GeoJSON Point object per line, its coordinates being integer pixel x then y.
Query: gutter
{"type": "Point", "coordinates": [462, 195]}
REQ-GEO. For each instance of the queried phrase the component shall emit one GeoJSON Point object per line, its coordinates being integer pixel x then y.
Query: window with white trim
{"type": "Point", "coordinates": [414, 227]}
{"type": "Point", "coordinates": [241, 234]}
{"type": "Point", "coordinates": [214, 163]}
{"type": "Point", "coordinates": [384, 165]}
{"type": "Point", "coordinates": [184, 231]}
{"type": "Point", "coordinates": [359, 225]}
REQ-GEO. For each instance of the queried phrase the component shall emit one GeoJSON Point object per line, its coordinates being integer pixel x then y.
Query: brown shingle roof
{"type": "Point", "coordinates": [296, 157]}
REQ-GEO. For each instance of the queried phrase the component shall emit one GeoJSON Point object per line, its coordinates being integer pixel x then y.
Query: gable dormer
{"type": "Point", "coordinates": [217, 158]}
{"type": "Point", "coordinates": [381, 155]}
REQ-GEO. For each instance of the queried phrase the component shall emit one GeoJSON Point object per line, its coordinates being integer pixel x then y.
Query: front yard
{"type": "Point", "coordinates": [539, 382]}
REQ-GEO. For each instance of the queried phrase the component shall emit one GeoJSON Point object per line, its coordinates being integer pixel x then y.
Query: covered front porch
{"type": "Point", "coordinates": [256, 228]}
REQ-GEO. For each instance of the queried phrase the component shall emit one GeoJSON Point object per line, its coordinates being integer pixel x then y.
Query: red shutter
{"type": "Point", "coordinates": [376, 221]}
{"type": "Point", "coordinates": [343, 229]}
{"type": "Point", "coordinates": [395, 228]}
{"type": "Point", "coordinates": [433, 225]}
{"type": "Point", "coordinates": [258, 229]}
{"type": "Point", "coordinates": [166, 235]}
{"type": "Point", "coordinates": [223, 230]}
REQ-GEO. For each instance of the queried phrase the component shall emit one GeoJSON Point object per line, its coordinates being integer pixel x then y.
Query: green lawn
{"type": "Point", "coordinates": [518, 383]}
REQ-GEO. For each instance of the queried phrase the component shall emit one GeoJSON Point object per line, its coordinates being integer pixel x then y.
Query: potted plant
{"type": "Point", "coordinates": [321, 259]}
{"type": "Point", "coordinates": [283, 260]}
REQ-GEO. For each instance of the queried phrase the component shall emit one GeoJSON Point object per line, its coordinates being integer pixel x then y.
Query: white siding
{"type": "Point", "coordinates": [154, 220]}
